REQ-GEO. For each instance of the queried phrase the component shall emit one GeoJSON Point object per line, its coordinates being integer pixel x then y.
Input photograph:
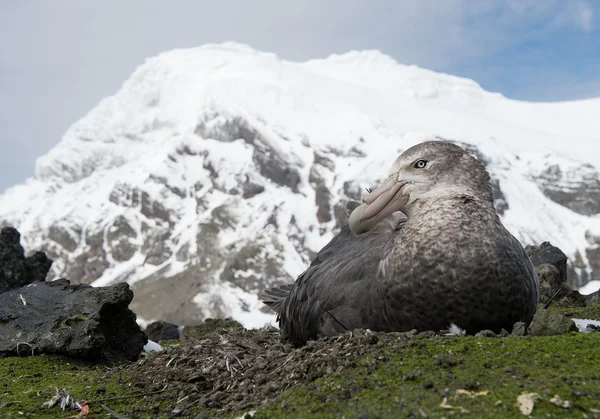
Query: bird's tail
{"type": "Point", "coordinates": [275, 297]}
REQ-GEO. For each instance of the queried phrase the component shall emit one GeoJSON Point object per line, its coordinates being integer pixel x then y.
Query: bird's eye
{"type": "Point", "coordinates": [420, 164]}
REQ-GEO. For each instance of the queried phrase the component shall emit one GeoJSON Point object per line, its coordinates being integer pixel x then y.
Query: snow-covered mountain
{"type": "Point", "coordinates": [217, 171]}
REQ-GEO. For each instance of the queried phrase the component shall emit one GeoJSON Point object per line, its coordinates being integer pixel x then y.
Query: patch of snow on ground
{"type": "Point", "coordinates": [590, 288]}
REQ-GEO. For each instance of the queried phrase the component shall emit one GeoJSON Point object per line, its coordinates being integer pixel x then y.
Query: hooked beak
{"type": "Point", "coordinates": [377, 205]}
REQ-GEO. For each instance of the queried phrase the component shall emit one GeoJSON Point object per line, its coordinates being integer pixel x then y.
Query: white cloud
{"type": "Point", "coordinates": [585, 15]}
{"type": "Point", "coordinates": [575, 13]}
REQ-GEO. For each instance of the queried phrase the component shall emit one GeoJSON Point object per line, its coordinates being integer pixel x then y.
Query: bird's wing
{"type": "Point", "coordinates": [339, 289]}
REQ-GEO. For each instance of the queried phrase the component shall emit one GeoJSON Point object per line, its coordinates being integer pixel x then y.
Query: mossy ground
{"type": "Point", "coordinates": [27, 382]}
{"type": "Point", "coordinates": [414, 380]}
{"type": "Point", "coordinates": [591, 312]}
{"type": "Point", "coordinates": [366, 375]}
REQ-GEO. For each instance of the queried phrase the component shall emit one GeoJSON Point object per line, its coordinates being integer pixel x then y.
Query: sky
{"type": "Point", "coordinates": [59, 58]}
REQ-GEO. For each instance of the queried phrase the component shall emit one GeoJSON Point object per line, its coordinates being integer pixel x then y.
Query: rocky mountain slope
{"type": "Point", "coordinates": [217, 171]}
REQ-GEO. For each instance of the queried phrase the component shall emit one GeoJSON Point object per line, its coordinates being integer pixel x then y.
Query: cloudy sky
{"type": "Point", "coordinates": [58, 58]}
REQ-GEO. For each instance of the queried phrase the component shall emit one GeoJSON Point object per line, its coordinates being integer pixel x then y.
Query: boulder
{"type": "Point", "coordinates": [15, 269]}
{"type": "Point", "coordinates": [158, 331]}
{"type": "Point", "coordinates": [551, 266]}
{"type": "Point", "coordinates": [547, 322]}
{"type": "Point", "coordinates": [75, 320]}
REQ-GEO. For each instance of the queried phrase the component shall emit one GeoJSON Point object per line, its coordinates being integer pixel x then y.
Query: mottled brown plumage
{"type": "Point", "coordinates": [451, 262]}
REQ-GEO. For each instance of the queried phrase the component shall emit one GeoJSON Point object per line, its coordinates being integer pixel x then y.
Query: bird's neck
{"type": "Point", "coordinates": [447, 205]}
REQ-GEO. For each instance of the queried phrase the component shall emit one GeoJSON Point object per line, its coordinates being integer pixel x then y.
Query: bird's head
{"type": "Point", "coordinates": [427, 170]}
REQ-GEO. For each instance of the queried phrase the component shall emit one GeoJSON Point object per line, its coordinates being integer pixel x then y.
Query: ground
{"type": "Point", "coordinates": [229, 371]}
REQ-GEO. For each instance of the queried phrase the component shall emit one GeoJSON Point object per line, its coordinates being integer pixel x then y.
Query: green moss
{"type": "Point", "coordinates": [591, 312]}
{"type": "Point", "coordinates": [414, 378]}
{"type": "Point", "coordinates": [27, 382]}
{"type": "Point", "coordinates": [396, 377]}
{"type": "Point", "coordinates": [169, 342]}
{"type": "Point", "coordinates": [73, 320]}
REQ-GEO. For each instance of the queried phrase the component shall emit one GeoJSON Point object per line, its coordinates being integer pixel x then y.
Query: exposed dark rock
{"type": "Point", "coordinates": [551, 266]}
{"type": "Point", "coordinates": [61, 236]}
{"type": "Point", "coordinates": [592, 239]}
{"type": "Point", "coordinates": [209, 326]}
{"type": "Point", "coordinates": [356, 152]}
{"type": "Point", "coordinates": [53, 252]}
{"type": "Point", "coordinates": [519, 329]}
{"type": "Point", "coordinates": [211, 169]}
{"type": "Point", "coordinates": [499, 198]}
{"type": "Point", "coordinates": [223, 217]}
{"type": "Point", "coordinates": [592, 328]}
{"type": "Point", "coordinates": [273, 220]}
{"type": "Point", "coordinates": [353, 193]}
{"type": "Point", "coordinates": [547, 322]}
{"type": "Point", "coordinates": [15, 269]}
{"type": "Point", "coordinates": [122, 250]}
{"type": "Point", "coordinates": [37, 265]}
{"type": "Point", "coordinates": [578, 272]}
{"type": "Point", "coordinates": [246, 259]}
{"type": "Point", "coordinates": [297, 238]}
{"type": "Point", "coordinates": [153, 209]}
{"type": "Point", "coordinates": [578, 190]}
{"type": "Point", "coordinates": [119, 237]}
{"type": "Point", "coordinates": [155, 247]}
{"type": "Point", "coordinates": [209, 253]}
{"type": "Point", "coordinates": [323, 160]}
{"type": "Point", "coordinates": [251, 189]}
{"type": "Point", "coordinates": [157, 331]}
{"type": "Point", "coordinates": [313, 176]}
{"type": "Point", "coordinates": [120, 227]}
{"type": "Point", "coordinates": [226, 129]}
{"type": "Point", "coordinates": [76, 320]}
{"type": "Point", "coordinates": [91, 264]}
{"type": "Point", "coordinates": [252, 259]}
{"type": "Point", "coordinates": [163, 181]}
{"type": "Point", "coordinates": [322, 194]}
{"type": "Point", "coordinates": [593, 298]}
{"type": "Point", "coordinates": [593, 256]}
{"type": "Point", "coordinates": [323, 202]}
{"type": "Point", "coordinates": [340, 214]}
{"type": "Point", "coordinates": [183, 253]}
{"type": "Point", "coordinates": [185, 149]}
{"type": "Point", "coordinates": [158, 253]}
{"type": "Point", "coordinates": [275, 168]}
{"type": "Point", "coordinates": [172, 299]}
{"type": "Point", "coordinates": [545, 253]}
{"type": "Point", "coordinates": [95, 238]}
{"type": "Point", "coordinates": [123, 195]}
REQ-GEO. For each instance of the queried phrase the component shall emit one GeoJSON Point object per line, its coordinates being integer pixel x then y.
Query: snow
{"type": "Point", "coordinates": [590, 288]}
{"type": "Point", "coordinates": [582, 324]}
{"type": "Point", "coordinates": [232, 300]}
{"type": "Point", "coordinates": [361, 100]}
{"type": "Point", "coordinates": [152, 346]}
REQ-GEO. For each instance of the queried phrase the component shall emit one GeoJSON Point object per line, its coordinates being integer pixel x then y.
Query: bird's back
{"type": "Point", "coordinates": [335, 293]}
